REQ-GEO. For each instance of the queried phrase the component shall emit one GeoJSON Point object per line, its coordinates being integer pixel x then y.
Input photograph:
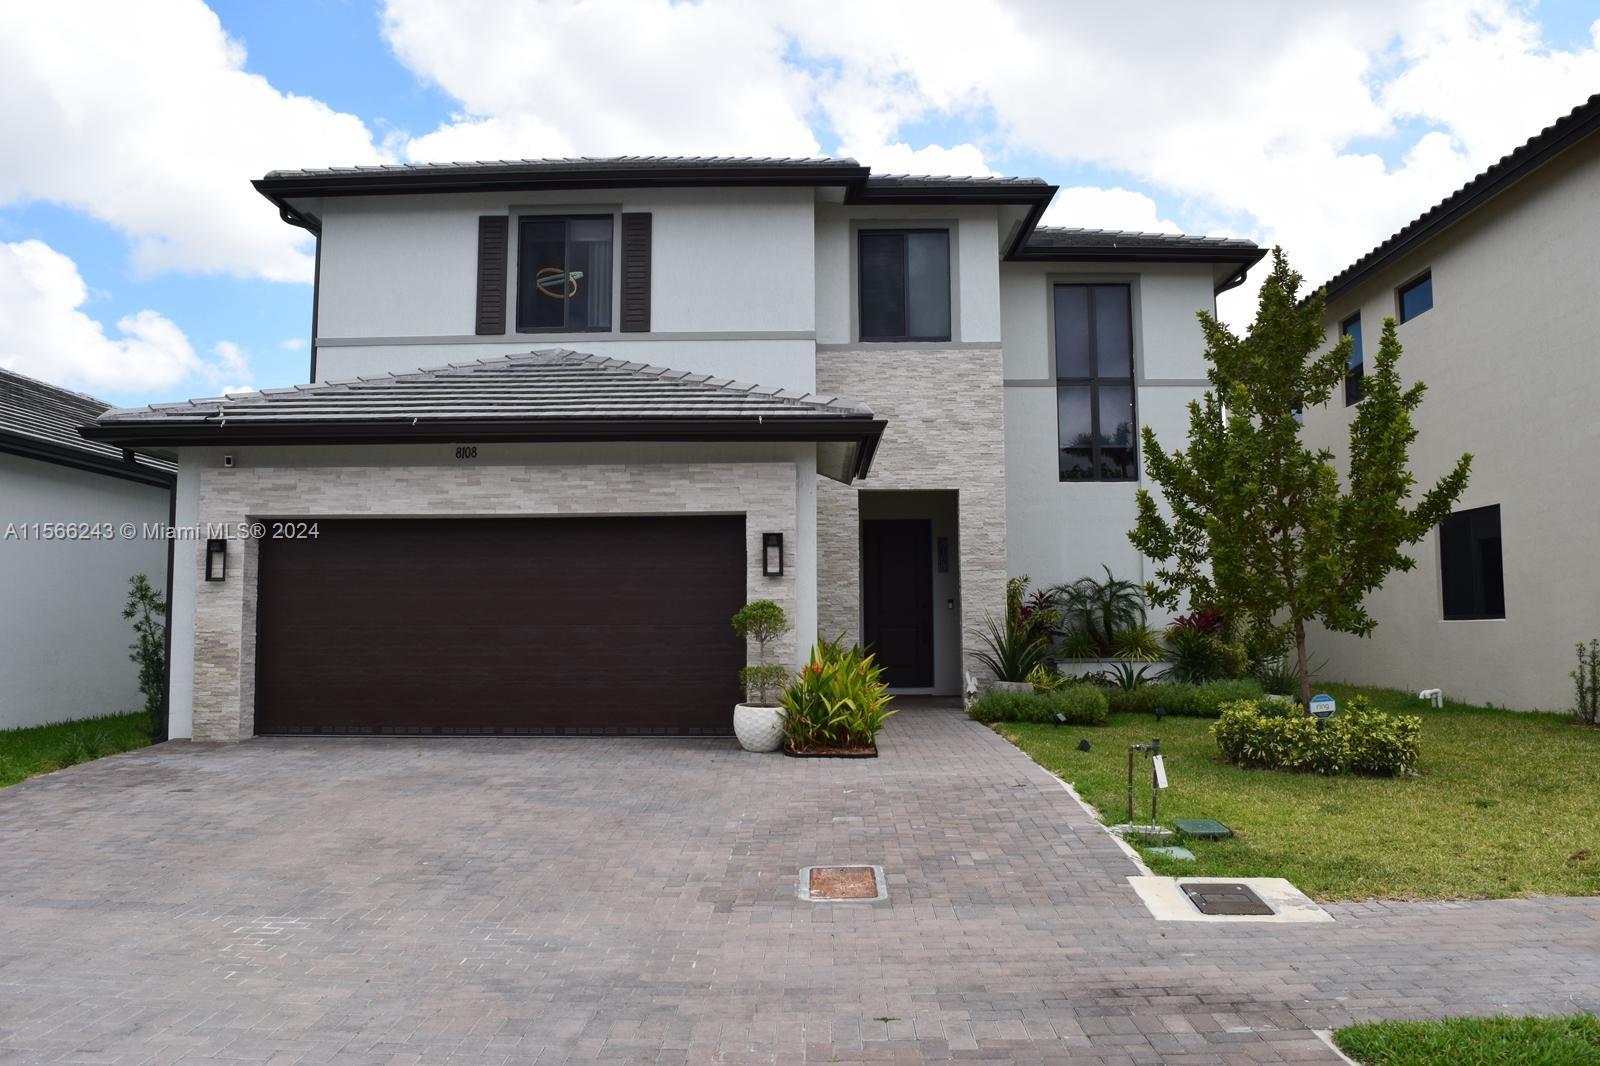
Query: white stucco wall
{"type": "Point", "coordinates": [63, 640]}
{"type": "Point", "coordinates": [1059, 531]}
{"type": "Point", "coordinates": [1509, 356]}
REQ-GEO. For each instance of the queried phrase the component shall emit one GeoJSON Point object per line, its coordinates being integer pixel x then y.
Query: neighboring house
{"type": "Point", "coordinates": [66, 556]}
{"type": "Point", "coordinates": [1497, 294]}
{"type": "Point", "coordinates": [549, 529]}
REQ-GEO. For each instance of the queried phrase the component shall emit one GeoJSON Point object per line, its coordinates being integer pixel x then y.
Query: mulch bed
{"type": "Point", "coordinates": [870, 751]}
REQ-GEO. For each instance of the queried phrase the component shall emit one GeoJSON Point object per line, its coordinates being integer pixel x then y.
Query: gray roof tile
{"type": "Point", "coordinates": [34, 411]}
{"type": "Point", "coordinates": [1067, 237]}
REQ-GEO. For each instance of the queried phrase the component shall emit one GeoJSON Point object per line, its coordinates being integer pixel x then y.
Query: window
{"type": "Point", "coordinates": [563, 273]}
{"type": "Point", "coordinates": [1416, 297]}
{"type": "Point", "coordinates": [1469, 561]}
{"type": "Point", "coordinates": [1351, 327]}
{"type": "Point", "coordinates": [905, 285]}
{"type": "Point", "coordinates": [1094, 383]}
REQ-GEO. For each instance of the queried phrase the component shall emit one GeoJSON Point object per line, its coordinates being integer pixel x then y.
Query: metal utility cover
{"type": "Point", "coordinates": [842, 884]}
{"type": "Point", "coordinates": [1224, 898]}
{"type": "Point", "coordinates": [1205, 828]}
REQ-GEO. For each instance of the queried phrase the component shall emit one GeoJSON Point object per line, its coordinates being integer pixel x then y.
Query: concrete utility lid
{"type": "Point", "coordinates": [1205, 828]}
{"type": "Point", "coordinates": [842, 884]}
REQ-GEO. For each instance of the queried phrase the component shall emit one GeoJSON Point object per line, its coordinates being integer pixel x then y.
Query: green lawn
{"type": "Point", "coordinates": [1506, 804]}
{"type": "Point", "coordinates": [1566, 1041]}
{"type": "Point", "coordinates": [40, 749]}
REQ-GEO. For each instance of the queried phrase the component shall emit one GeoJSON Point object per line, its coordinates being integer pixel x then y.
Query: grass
{"type": "Point", "coordinates": [40, 749]}
{"type": "Point", "coordinates": [1506, 804]}
{"type": "Point", "coordinates": [1501, 1041]}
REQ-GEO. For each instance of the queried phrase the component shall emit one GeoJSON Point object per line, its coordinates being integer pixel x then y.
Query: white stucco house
{"type": "Point", "coordinates": [67, 506]}
{"type": "Point", "coordinates": [1494, 290]}
{"type": "Point", "coordinates": [564, 417]}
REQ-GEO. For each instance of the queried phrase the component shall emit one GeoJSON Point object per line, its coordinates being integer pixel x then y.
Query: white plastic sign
{"type": "Point", "coordinates": [1161, 771]}
{"type": "Point", "coordinates": [1322, 705]}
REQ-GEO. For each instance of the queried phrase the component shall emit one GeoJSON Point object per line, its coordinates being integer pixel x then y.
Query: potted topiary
{"type": "Point", "coordinates": [758, 722]}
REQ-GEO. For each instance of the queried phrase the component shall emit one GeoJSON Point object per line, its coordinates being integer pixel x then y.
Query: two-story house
{"type": "Point", "coordinates": [564, 417]}
{"type": "Point", "coordinates": [1494, 292]}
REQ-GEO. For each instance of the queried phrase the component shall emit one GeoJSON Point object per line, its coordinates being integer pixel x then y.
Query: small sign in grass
{"type": "Point", "coordinates": [1569, 1040]}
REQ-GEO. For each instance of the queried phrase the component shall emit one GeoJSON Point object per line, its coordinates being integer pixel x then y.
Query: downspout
{"type": "Point", "coordinates": [314, 227]}
{"type": "Point", "coordinates": [1234, 281]}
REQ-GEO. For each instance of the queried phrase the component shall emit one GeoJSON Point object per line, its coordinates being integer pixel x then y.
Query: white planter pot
{"type": "Point", "coordinates": [758, 728]}
{"type": "Point", "coordinates": [1011, 686]}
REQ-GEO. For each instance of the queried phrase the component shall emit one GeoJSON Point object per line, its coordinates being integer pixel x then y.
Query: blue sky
{"type": "Point", "coordinates": [1403, 127]}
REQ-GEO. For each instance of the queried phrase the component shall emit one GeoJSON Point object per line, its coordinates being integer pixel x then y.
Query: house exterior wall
{"type": "Point", "coordinates": [1059, 531]}
{"type": "Point", "coordinates": [773, 487]}
{"type": "Point", "coordinates": [63, 640]}
{"type": "Point", "coordinates": [1508, 354]}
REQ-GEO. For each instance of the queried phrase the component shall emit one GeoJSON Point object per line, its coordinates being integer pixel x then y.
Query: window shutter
{"type": "Point", "coordinates": [636, 272]}
{"type": "Point", "coordinates": [493, 239]}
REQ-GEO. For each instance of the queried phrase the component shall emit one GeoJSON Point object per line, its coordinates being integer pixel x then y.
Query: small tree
{"type": "Point", "coordinates": [761, 621]}
{"type": "Point", "coordinates": [1260, 525]}
{"type": "Point", "coordinates": [148, 612]}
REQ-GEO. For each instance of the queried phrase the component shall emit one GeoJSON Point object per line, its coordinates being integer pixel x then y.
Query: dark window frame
{"type": "Point", "coordinates": [950, 276]}
{"type": "Point", "coordinates": [1482, 605]}
{"type": "Point", "coordinates": [1093, 382]}
{"type": "Point", "coordinates": [1400, 296]}
{"type": "Point", "coordinates": [611, 311]}
{"type": "Point", "coordinates": [1354, 373]}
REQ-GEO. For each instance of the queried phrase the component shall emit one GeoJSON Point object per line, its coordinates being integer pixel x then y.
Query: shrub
{"type": "Point", "coordinates": [1192, 701]}
{"type": "Point", "coordinates": [1079, 704]}
{"type": "Point", "coordinates": [1197, 656]}
{"type": "Point", "coordinates": [1101, 616]}
{"type": "Point", "coordinates": [148, 613]}
{"type": "Point", "coordinates": [1013, 651]}
{"type": "Point", "coordinates": [838, 700]}
{"type": "Point", "coordinates": [1587, 679]}
{"type": "Point", "coordinates": [1361, 739]}
{"type": "Point", "coordinates": [762, 621]}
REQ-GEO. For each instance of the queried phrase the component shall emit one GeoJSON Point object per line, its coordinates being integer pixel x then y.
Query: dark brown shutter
{"type": "Point", "coordinates": [492, 239]}
{"type": "Point", "coordinates": [636, 272]}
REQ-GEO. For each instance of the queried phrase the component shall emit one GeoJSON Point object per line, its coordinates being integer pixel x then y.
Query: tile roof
{"type": "Point", "coordinates": [40, 419]}
{"type": "Point", "coordinates": [1061, 237]}
{"type": "Point", "coordinates": [1574, 127]}
{"type": "Point", "coordinates": [581, 165]}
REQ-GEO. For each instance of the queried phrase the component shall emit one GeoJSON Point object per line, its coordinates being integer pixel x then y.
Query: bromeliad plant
{"type": "Point", "coordinates": [838, 700]}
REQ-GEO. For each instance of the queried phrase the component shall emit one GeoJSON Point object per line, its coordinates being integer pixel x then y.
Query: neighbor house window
{"type": "Point", "coordinates": [1469, 560]}
{"type": "Point", "coordinates": [1416, 297]}
{"type": "Point", "coordinates": [1097, 433]}
{"type": "Point", "coordinates": [905, 285]}
{"type": "Point", "coordinates": [1351, 327]}
{"type": "Point", "coordinates": [563, 273]}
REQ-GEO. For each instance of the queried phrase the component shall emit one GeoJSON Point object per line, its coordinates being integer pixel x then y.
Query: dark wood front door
{"type": "Point", "coordinates": [502, 625]}
{"type": "Point", "coordinates": [897, 597]}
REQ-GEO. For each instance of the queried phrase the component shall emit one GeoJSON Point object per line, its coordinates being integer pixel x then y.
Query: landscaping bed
{"type": "Point", "coordinates": [40, 749]}
{"type": "Point", "coordinates": [1569, 1040]}
{"type": "Point", "coordinates": [1503, 804]}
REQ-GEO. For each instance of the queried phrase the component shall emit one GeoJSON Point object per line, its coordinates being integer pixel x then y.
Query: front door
{"type": "Point", "coordinates": [897, 598]}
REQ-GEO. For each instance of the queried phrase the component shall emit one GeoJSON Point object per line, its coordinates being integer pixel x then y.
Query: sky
{"type": "Point", "coordinates": [138, 265]}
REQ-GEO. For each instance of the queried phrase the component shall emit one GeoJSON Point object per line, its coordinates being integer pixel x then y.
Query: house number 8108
{"type": "Point", "coordinates": [469, 451]}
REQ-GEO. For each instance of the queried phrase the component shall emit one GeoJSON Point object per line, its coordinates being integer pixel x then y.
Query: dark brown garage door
{"type": "Point", "coordinates": [516, 626]}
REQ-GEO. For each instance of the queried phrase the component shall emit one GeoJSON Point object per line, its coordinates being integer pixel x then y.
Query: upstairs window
{"type": "Point", "coordinates": [1416, 297]}
{"type": "Point", "coordinates": [1096, 429]}
{"type": "Point", "coordinates": [1470, 565]}
{"type": "Point", "coordinates": [1351, 327]}
{"type": "Point", "coordinates": [905, 284]}
{"type": "Point", "coordinates": [563, 273]}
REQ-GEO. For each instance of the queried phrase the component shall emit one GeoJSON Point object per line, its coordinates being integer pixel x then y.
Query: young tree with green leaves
{"type": "Point", "coordinates": [1260, 525]}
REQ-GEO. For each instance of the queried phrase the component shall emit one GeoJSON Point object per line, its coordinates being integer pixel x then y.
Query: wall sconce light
{"type": "Point", "coordinates": [216, 559]}
{"type": "Point", "coordinates": [772, 554]}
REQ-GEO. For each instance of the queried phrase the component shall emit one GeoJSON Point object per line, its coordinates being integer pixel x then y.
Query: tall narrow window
{"type": "Point", "coordinates": [1096, 426]}
{"type": "Point", "coordinates": [1470, 564]}
{"type": "Point", "coordinates": [905, 285]}
{"type": "Point", "coordinates": [1416, 297]}
{"type": "Point", "coordinates": [1351, 327]}
{"type": "Point", "coordinates": [563, 273]}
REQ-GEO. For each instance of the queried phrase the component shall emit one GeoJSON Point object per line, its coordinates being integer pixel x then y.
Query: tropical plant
{"type": "Point", "coordinates": [1096, 613]}
{"type": "Point", "coordinates": [148, 613]}
{"type": "Point", "coordinates": [1045, 678]}
{"type": "Point", "coordinates": [1587, 679]}
{"type": "Point", "coordinates": [1278, 677]}
{"type": "Point", "coordinates": [1013, 649]}
{"type": "Point", "coordinates": [1197, 656]}
{"type": "Point", "coordinates": [1208, 620]}
{"type": "Point", "coordinates": [1126, 676]}
{"type": "Point", "coordinates": [1258, 525]}
{"type": "Point", "coordinates": [762, 621]}
{"type": "Point", "coordinates": [838, 700]}
{"type": "Point", "coordinates": [1142, 643]}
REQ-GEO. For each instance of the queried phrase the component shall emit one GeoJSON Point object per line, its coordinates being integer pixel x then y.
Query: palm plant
{"type": "Point", "coordinates": [1097, 613]}
{"type": "Point", "coordinates": [1013, 649]}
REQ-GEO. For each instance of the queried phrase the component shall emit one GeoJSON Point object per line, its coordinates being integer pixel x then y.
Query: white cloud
{"type": "Point", "coordinates": [1089, 207]}
{"type": "Point", "coordinates": [44, 334]}
{"type": "Point", "coordinates": [142, 116]}
{"type": "Point", "coordinates": [293, 344]}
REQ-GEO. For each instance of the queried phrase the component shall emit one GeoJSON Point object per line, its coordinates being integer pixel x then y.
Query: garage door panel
{"type": "Point", "coordinates": [502, 625]}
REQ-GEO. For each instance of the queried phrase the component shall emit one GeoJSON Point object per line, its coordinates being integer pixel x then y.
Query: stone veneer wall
{"type": "Point", "coordinates": [946, 430]}
{"type": "Point", "coordinates": [225, 630]}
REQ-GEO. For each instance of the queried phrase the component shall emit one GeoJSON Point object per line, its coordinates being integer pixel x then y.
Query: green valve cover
{"type": "Point", "coordinates": [1205, 828]}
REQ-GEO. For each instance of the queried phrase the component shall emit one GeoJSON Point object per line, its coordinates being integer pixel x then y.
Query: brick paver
{"type": "Point", "coordinates": [405, 901]}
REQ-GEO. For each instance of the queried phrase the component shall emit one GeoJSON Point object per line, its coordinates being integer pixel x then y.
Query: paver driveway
{"type": "Point", "coordinates": [555, 900]}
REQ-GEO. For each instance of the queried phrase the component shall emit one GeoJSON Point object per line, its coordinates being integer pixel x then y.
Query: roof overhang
{"type": "Point", "coordinates": [1229, 265]}
{"type": "Point", "coordinates": [129, 469]}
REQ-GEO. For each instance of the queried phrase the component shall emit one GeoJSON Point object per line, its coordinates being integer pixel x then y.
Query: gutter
{"type": "Point", "coordinates": [65, 455]}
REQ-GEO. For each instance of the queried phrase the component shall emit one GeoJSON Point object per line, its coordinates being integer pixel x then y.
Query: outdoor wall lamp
{"type": "Point", "coordinates": [772, 554]}
{"type": "Point", "coordinates": [216, 559]}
